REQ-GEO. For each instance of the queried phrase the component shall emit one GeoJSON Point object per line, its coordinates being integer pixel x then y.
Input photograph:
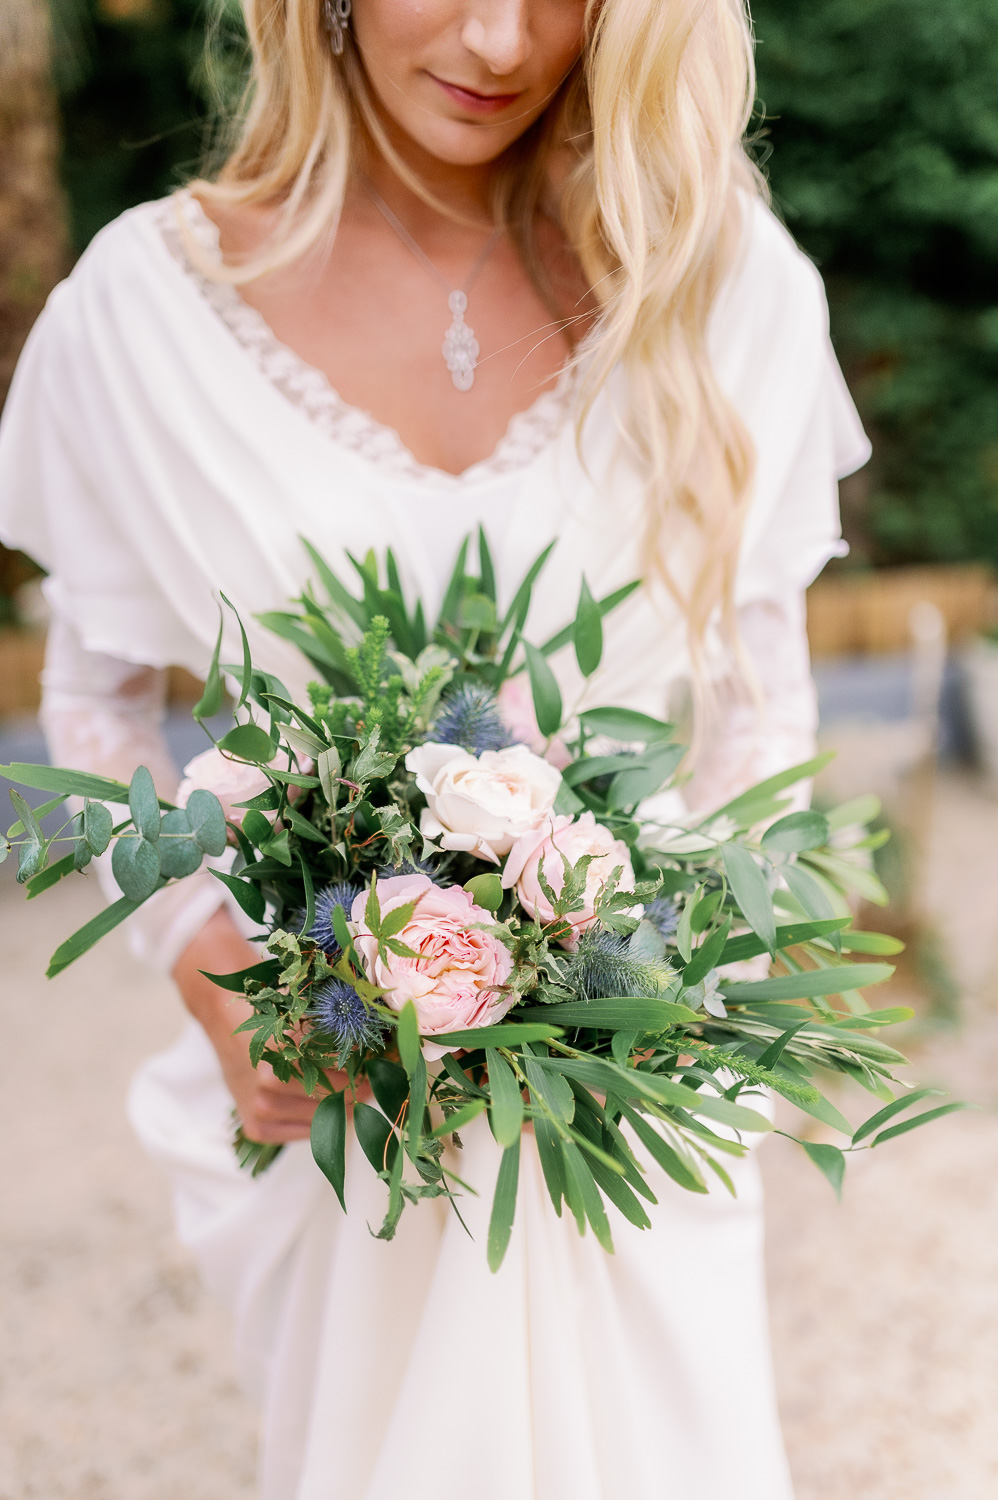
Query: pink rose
{"type": "Point", "coordinates": [542, 850]}
{"type": "Point", "coordinates": [516, 708]}
{"type": "Point", "coordinates": [231, 780]}
{"type": "Point", "coordinates": [455, 982]}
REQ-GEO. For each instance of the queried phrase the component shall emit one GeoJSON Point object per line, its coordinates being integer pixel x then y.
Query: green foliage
{"type": "Point", "coordinates": [883, 126]}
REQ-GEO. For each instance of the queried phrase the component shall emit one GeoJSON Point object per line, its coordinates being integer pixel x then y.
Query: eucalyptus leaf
{"type": "Point", "coordinates": [179, 854]}
{"type": "Point", "coordinates": [143, 804]}
{"type": "Point", "coordinates": [207, 821]}
{"type": "Point", "coordinates": [97, 825]}
{"type": "Point", "coordinates": [136, 867]}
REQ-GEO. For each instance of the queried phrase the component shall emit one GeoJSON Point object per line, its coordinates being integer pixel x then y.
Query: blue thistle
{"type": "Point", "coordinates": [602, 965]}
{"type": "Point", "coordinates": [341, 894]}
{"type": "Point", "coordinates": [338, 1009]}
{"type": "Point", "coordinates": [663, 914]}
{"type": "Point", "coordinates": [469, 716]}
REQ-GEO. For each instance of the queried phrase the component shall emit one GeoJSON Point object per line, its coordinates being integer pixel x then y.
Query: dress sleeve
{"type": "Point", "coordinates": [104, 715]}
{"type": "Point", "coordinates": [762, 721]}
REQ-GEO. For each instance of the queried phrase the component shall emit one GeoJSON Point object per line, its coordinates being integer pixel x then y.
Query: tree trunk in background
{"type": "Point", "coordinates": [32, 222]}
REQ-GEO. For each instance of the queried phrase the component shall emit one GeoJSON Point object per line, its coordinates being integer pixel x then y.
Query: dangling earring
{"type": "Point", "coordinates": [336, 17]}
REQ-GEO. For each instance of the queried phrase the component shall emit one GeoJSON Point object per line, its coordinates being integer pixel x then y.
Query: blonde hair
{"type": "Point", "coordinates": [653, 204]}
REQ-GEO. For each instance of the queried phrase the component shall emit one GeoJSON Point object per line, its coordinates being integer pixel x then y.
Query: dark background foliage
{"type": "Point", "coordinates": [880, 138]}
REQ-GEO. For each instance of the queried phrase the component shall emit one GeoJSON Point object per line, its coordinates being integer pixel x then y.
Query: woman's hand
{"type": "Point", "coordinates": [268, 1110]}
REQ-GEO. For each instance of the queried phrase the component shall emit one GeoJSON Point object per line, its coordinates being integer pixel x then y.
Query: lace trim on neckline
{"type": "Point", "coordinates": [308, 388]}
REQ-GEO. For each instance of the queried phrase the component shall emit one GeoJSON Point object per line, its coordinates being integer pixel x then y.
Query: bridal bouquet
{"type": "Point", "coordinates": [477, 904]}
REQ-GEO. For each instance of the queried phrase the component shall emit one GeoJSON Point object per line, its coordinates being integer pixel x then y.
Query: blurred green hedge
{"type": "Point", "coordinates": [880, 138]}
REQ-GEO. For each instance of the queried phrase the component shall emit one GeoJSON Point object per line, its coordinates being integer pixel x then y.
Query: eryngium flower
{"type": "Point", "coordinates": [469, 716]}
{"type": "Point", "coordinates": [603, 966]}
{"type": "Point", "coordinates": [341, 894]}
{"type": "Point", "coordinates": [663, 914]}
{"type": "Point", "coordinates": [338, 1009]}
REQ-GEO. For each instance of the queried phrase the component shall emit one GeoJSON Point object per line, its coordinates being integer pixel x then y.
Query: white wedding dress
{"type": "Point", "coordinates": [159, 447]}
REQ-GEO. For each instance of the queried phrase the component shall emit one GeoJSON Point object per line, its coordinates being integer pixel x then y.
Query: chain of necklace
{"type": "Point", "coordinates": [460, 347]}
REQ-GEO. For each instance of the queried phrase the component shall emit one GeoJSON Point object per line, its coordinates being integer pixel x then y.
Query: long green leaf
{"type": "Point", "coordinates": [677, 1167]}
{"type": "Point", "coordinates": [545, 691]}
{"type": "Point", "coordinates": [378, 1140]}
{"type": "Point", "coordinates": [486, 567]}
{"type": "Point", "coordinates": [606, 604]}
{"type": "Point", "coordinates": [774, 784]}
{"type": "Point", "coordinates": [931, 1114]}
{"type": "Point", "coordinates": [249, 896]}
{"type": "Point", "coordinates": [213, 696]}
{"type": "Point", "coordinates": [16, 829]}
{"type": "Point", "coordinates": [511, 1034]}
{"type": "Point", "coordinates": [504, 1205]}
{"type": "Point", "coordinates": [90, 933]}
{"type": "Point", "coordinates": [246, 675]}
{"type": "Point", "coordinates": [625, 1013]}
{"type": "Point", "coordinates": [896, 1107]}
{"type": "Point", "coordinates": [791, 935]}
{"type": "Point", "coordinates": [455, 588]}
{"type": "Point", "coordinates": [506, 1113]}
{"type": "Point", "coordinates": [829, 1160]}
{"type": "Point", "coordinates": [69, 783]}
{"type": "Point", "coordinates": [708, 955]}
{"type": "Point", "coordinates": [839, 980]}
{"type": "Point", "coordinates": [587, 632]}
{"type": "Point", "coordinates": [266, 972]}
{"type": "Point", "coordinates": [749, 888]}
{"type": "Point", "coordinates": [329, 1136]}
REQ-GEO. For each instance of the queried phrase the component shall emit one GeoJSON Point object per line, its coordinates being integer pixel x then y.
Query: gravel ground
{"type": "Point", "coordinates": [116, 1381]}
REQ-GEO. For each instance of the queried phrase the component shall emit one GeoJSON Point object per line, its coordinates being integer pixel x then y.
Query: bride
{"type": "Point", "coordinates": [468, 261]}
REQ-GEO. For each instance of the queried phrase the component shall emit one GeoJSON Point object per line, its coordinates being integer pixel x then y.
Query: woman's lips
{"type": "Point", "coordinates": [475, 103]}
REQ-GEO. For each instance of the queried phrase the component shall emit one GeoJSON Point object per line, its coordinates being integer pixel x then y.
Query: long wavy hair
{"type": "Point", "coordinates": [653, 119]}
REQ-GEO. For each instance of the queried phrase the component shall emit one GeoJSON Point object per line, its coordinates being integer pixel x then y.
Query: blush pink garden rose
{"type": "Point", "coordinates": [231, 780]}
{"type": "Point", "coordinates": [455, 983]}
{"type": "Point", "coordinates": [481, 804]}
{"type": "Point", "coordinates": [542, 849]}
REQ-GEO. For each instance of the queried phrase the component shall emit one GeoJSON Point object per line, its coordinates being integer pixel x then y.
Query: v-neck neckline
{"type": "Point", "coordinates": [528, 433]}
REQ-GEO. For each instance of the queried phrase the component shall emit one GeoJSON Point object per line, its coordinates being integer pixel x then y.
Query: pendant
{"type": "Point", "coordinates": [460, 347]}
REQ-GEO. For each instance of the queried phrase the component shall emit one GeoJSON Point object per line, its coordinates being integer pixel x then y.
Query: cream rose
{"type": "Point", "coordinates": [541, 851]}
{"type": "Point", "coordinates": [455, 983]}
{"type": "Point", "coordinates": [482, 804]}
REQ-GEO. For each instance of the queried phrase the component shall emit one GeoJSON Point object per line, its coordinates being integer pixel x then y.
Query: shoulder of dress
{"type": "Point", "coordinates": [123, 252]}
{"type": "Point", "coordinates": [771, 276]}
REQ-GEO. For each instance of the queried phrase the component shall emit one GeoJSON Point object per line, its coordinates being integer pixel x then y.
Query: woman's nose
{"type": "Point", "coordinates": [497, 31]}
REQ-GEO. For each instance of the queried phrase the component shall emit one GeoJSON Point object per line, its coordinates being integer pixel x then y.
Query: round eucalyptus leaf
{"type": "Point", "coordinates": [31, 858]}
{"type": "Point", "coordinates": [207, 821]}
{"type": "Point", "coordinates": [97, 825]}
{"type": "Point", "coordinates": [796, 832]}
{"type": "Point", "coordinates": [135, 863]}
{"type": "Point", "coordinates": [144, 804]}
{"type": "Point", "coordinates": [179, 854]}
{"type": "Point", "coordinates": [82, 854]}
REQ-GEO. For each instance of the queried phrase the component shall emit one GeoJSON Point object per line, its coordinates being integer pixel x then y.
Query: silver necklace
{"type": "Point", "coordinates": [460, 347]}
